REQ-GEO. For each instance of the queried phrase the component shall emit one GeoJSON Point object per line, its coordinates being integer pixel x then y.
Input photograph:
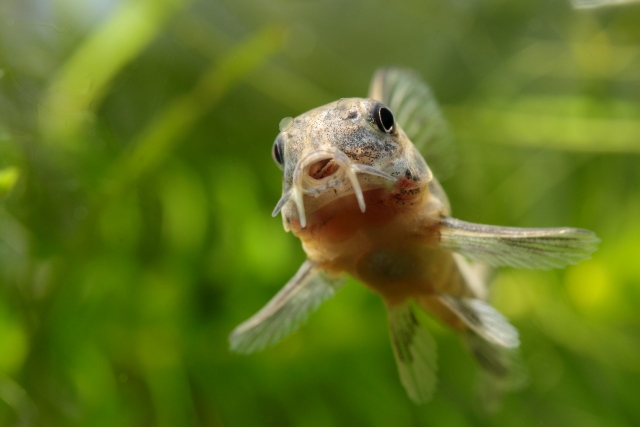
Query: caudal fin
{"type": "Point", "coordinates": [502, 370]}
{"type": "Point", "coordinates": [492, 340]}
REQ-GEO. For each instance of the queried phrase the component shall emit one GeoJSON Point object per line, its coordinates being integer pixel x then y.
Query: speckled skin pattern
{"type": "Point", "coordinates": [347, 126]}
{"type": "Point", "coordinates": [392, 247]}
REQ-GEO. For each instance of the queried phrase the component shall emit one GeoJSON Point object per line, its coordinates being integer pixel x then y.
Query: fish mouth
{"type": "Point", "coordinates": [321, 170]}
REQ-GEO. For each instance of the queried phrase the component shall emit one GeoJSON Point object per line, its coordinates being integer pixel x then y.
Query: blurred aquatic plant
{"type": "Point", "coordinates": [78, 86]}
{"type": "Point", "coordinates": [587, 4]}
{"type": "Point", "coordinates": [8, 178]}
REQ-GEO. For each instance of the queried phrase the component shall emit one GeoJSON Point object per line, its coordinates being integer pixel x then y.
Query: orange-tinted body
{"type": "Point", "coordinates": [392, 247]}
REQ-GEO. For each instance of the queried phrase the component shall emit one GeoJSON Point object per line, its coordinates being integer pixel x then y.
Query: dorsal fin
{"type": "Point", "coordinates": [417, 112]}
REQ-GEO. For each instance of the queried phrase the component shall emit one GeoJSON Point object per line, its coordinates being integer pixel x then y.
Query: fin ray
{"type": "Point", "coordinates": [484, 320]}
{"type": "Point", "coordinates": [287, 310]}
{"type": "Point", "coordinates": [540, 248]}
{"type": "Point", "coordinates": [415, 352]}
{"type": "Point", "coordinates": [502, 371]}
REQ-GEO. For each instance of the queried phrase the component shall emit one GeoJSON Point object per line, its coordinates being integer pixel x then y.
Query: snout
{"type": "Point", "coordinates": [309, 179]}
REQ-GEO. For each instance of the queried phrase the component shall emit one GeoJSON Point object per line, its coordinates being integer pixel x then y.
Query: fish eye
{"type": "Point", "coordinates": [383, 118]}
{"type": "Point", "coordinates": [277, 152]}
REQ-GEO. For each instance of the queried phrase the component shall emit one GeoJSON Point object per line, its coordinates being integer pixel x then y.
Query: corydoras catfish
{"type": "Point", "coordinates": [364, 202]}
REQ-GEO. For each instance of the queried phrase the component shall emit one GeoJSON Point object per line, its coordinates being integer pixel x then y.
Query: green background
{"type": "Point", "coordinates": [136, 186]}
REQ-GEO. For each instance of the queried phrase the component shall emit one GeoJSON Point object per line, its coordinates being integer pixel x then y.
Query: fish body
{"type": "Point", "coordinates": [363, 201]}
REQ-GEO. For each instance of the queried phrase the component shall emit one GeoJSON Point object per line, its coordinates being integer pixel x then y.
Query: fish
{"type": "Point", "coordinates": [364, 202]}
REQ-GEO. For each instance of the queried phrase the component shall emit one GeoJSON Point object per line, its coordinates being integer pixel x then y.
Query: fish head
{"type": "Point", "coordinates": [342, 149]}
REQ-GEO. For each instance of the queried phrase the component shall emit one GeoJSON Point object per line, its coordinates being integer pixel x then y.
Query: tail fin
{"type": "Point", "coordinates": [490, 338]}
{"type": "Point", "coordinates": [502, 371]}
{"type": "Point", "coordinates": [494, 344]}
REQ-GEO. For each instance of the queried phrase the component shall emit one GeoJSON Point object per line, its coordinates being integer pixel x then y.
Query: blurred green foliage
{"type": "Point", "coordinates": [136, 186]}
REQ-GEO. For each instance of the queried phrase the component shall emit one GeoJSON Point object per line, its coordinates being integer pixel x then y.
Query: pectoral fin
{"type": "Point", "coordinates": [302, 295]}
{"type": "Point", "coordinates": [540, 248]}
{"type": "Point", "coordinates": [415, 352]}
